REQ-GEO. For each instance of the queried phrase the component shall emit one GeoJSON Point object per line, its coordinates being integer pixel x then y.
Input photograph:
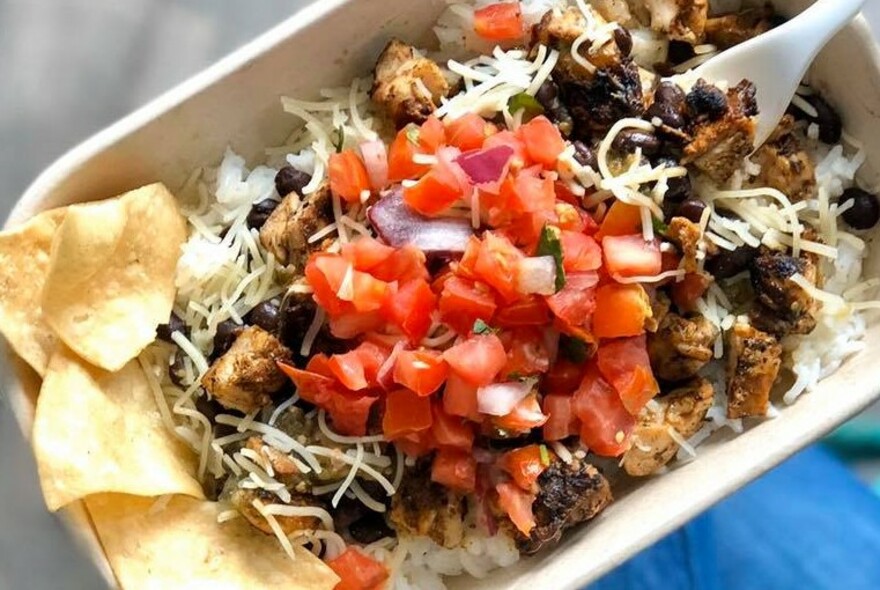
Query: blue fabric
{"type": "Point", "coordinates": [809, 524]}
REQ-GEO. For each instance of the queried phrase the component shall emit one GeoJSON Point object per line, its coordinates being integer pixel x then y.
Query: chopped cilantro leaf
{"type": "Point", "coordinates": [412, 134]}
{"type": "Point", "coordinates": [659, 226]}
{"type": "Point", "coordinates": [340, 139]}
{"type": "Point", "coordinates": [481, 327]}
{"type": "Point", "coordinates": [550, 245]}
{"type": "Point", "coordinates": [527, 103]}
{"type": "Point", "coordinates": [545, 455]}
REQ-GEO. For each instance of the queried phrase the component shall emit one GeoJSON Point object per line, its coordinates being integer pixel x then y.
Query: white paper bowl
{"type": "Point", "coordinates": [236, 102]}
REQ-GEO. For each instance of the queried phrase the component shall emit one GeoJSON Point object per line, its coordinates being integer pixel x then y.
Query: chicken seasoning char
{"type": "Point", "coordinates": [478, 313]}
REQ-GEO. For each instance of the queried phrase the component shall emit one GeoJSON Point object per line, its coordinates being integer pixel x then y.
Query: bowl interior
{"type": "Point", "coordinates": [236, 103]}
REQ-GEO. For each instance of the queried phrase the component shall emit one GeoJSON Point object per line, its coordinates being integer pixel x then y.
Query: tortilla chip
{"type": "Point", "coordinates": [182, 546]}
{"type": "Point", "coordinates": [111, 278]}
{"type": "Point", "coordinates": [24, 264]}
{"type": "Point", "coordinates": [102, 432]}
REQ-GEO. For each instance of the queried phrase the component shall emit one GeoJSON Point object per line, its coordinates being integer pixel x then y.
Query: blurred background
{"type": "Point", "coordinates": [69, 68]}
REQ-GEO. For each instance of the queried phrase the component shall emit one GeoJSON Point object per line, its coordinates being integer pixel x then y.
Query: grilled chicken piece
{"type": "Point", "coordinates": [687, 235]}
{"type": "Point", "coordinates": [617, 11]}
{"type": "Point", "coordinates": [681, 346]}
{"type": "Point", "coordinates": [282, 464]}
{"type": "Point", "coordinates": [424, 508]}
{"type": "Point", "coordinates": [407, 85]}
{"type": "Point", "coordinates": [286, 233]}
{"type": "Point", "coordinates": [753, 362]}
{"type": "Point", "coordinates": [720, 142]}
{"type": "Point", "coordinates": [597, 96]}
{"type": "Point", "coordinates": [785, 165]}
{"type": "Point", "coordinates": [568, 494]}
{"type": "Point", "coordinates": [246, 375]}
{"type": "Point", "coordinates": [733, 29]}
{"type": "Point", "coordinates": [684, 410]}
{"type": "Point", "coordinates": [680, 20]}
{"type": "Point", "coordinates": [243, 500]}
{"type": "Point", "coordinates": [660, 305]}
{"type": "Point", "coordinates": [781, 306]}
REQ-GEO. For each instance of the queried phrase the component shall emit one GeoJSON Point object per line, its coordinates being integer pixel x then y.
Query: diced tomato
{"type": "Point", "coordinates": [319, 364]}
{"type": "Point", "coordinates": [400, 156]}
{"type": "Point", "coordinates": [469, 131]}
{"type": "Point", "coordinates": [621, 310]}
{"type": "Point", "coordinates": [580, 253]}
{"type": "Point", "coordinates": [575, 303]}
{"type": "Point", "coordinates": [349, 413]}
{"type": "Point", "coordinates": [530, 311]}
{"type": "Point", "coordinates": [348, 176]}
{"type": "Point", "coordinates": [405, 264]}
{"type": "Point", "coordinates": [311, 385]}
{"type": "Point", "coordinates": [631, 256]}
{"type": "Point", "coordinates": [420, 371]}
{"type": "Point", "coordinates": [606, 425]}
{"type": "Point", "coordinates": [433, 193]}
{"type": "Point", "coordinates": [454, 469]}
{"type": "Point", "coordinates": [417, 444]}
{"type": "Point", "coordinates": [499, 22]}
{"type": "Point", "coordinates": [432, 134]}
{"type": "Point", "coordinates": [462, 302]}
{"type": "Point", "coordinates": [563, 378]}
{"type": "Point", "coordinates": [517, 503]}
{"type": "Point", "coordinates": [531, 193]}
{"type": "Point", "coordinates": [466, 266]}
{"type": "Point", "coordinates": [524, 417]}
{"type": "Point", "coordinates": [324, 274]}
{"type": "Point", "coordinates": [411, 308]}
{"type": "Point", "coordinates": [520, 155]}
{"type": "Point", "coordinates": [526, 464]}
{"type": "Point", "coordinates": [349, 368]}
{"type": "Point", "coordinates": [460, 398]}
{"type": "Point", "coordinates": [543, 141]}
{"type": "Point", "coordinates": [405, 413]}
{"type": "Point", "coordinates": [686, 292]}
{"type": "Point", "coordinates": [622, 219]}
{"type": "Point", "coordinates": [478, 359]}
{"type": "Point", "coordinates": [626, 366]}
{"type": "Point", "coordinates": [451, 431]}
{"type": "Point", "coordinates": [357, 571]}
{"type": "Point", "coordinates": [497, 264]}
{"type": "Point", "coordinates": [561, 421]}
{"type": "Point", "coordinates": [351, 325]}
{"type": "Point", "coordinates": [366, 253]}
{"type": "Point", "coordinates": [527, 352]}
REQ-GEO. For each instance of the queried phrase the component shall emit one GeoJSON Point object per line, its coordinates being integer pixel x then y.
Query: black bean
{"type": "Point", "coordinates": [679, 52]}
{"type": "Point", "coordinates": [370, 529]}
{"type": "Point", "coordinates": [175, 324]}
{"type": "Point", "coordinates": [289, 180]}
{"type": "Point", "coordinates": [584, 155]}
{"type": "Point", "coordinates": [629, 140]}
{"type": "Point", "coordinates": [176, 370]}
{"type": "Point", "coordinates": [556, 111]}
{"type": "Point", "coordinates": [260, 212]}
{"type": "Point", "coordinates": [209, 407]}
{"type": "Point", "coordinates": [728, 263]}
{"type": "Point", "coordinates": [547, 93]}
{"type": "Point", "coordinates": [865, 211]}
{"type": "Point", "coordinates": [707, 101]}
{"type": "Point", "coordinates": [624, 41]}
{"type": "Point", "coordinates": [692, 210]}
{"type": "Point", "coordinates": [227, 332]}
{"type": "Point", "coordinates": [668, 106]}
{"type": "Point", "coordinates": [265, 315]}
{"type": "Point", "coordinates": [830, 125]}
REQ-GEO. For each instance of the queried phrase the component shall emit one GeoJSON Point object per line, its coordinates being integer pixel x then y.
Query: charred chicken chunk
{"type": "Point", "coordinates": [687, 235]}
{"type": "Point", "coordinates": [246, 375]}
{"type": "Point", "coordinates": [681, 346]}
{"type": "Point", "coordinates": [660, 305]}
{"type": "Point", "coordinates": [785, 165]}
{"type": "Point", "coordinates": [286, 233]}
{"type": "Point", "coordinates": [423, 508]}
{"type": "Point", "coordinates": [599, 95]}
{"type": "Point", "coordinates": [724, 129]}
{"type": "Point", "coordinates": [568, 494]}
{"type": "Point", "coordinates": [782, 306]}
{"type": "Point", "coordinates": [684, 410]}
{"type": "Point", "coordinates": [732, 29]}
{"type": "Point", "coordinates": [753, 362]}
{"type": "Point", "coordinates": [407, 85]}
{"type": "Point", "coordinates": [243, 500]}
{"type": "Point", "coordinates": [680, 20]}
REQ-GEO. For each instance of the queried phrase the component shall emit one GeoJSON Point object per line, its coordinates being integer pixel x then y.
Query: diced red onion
{"type": "Point", "coordinates": [499, 399]}
{"type": "Point", "coordinates": [486, 168]}
{"type": "Point", "coordinates": [376, 161]}
{"type": "Point", "coordinates": [580, 281]}
{"type": "Point", "coordinates": [438, 237]}
{"type": "Point", "coordinates": [536, 275]}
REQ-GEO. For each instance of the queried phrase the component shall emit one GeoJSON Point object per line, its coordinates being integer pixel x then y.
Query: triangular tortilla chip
{"type": "Point", "coordinates": [182, 546]}
{"type": "Point", "coordinates": [24, 264]}
{"type": "Point", "coordinates": [102, 432]}
{"type": "Point", "coordinates": [111, 277]}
